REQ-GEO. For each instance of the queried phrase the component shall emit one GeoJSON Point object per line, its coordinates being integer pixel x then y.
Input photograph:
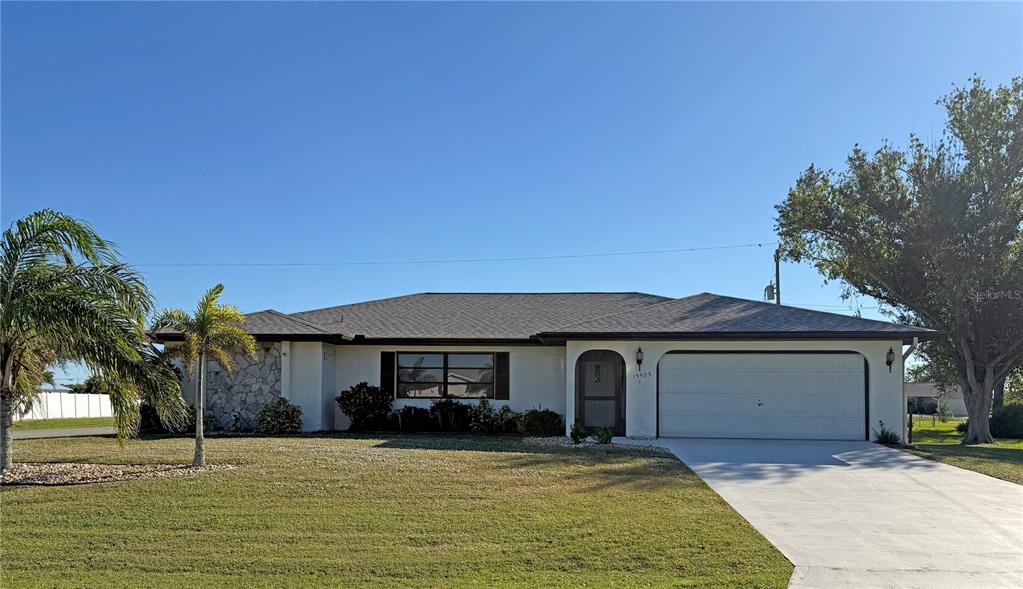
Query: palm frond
{"type": "Point", "coordinates": [223, 358]}
{"type": "Point", "coordinates": [232, 337]}
{"type": "Point", "coordinates": [207, 304]}
{"type": "Point", "coordinates": [172, 319]}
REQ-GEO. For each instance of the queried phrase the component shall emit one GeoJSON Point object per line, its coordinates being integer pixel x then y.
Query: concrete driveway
{"type": "Point", "coordinates": [62, 432]}
{"type": "Point", "coordinates": [856, 514]}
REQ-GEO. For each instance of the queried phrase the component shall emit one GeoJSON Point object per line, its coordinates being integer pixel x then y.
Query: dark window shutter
{"type": "Point", "coordinates": [387, 371]}
{"type": "Point", "coordinates": [501, 387]}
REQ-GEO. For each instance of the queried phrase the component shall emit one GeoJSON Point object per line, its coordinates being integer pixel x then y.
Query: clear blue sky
{"type": "Point", "coordinates": [313, 132]}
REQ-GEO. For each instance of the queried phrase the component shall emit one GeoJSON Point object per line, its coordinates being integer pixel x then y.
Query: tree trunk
{"type": "Point", "coordinates": [200, 411]}
{"type": "Point", "coordinates": [6, 432]}
{"type": "Point", "coordinates": [999, 397]}
{"type": "Point", "coordinates": [6, 406]}
{"type": "Point", "coordinates": [978, 407]}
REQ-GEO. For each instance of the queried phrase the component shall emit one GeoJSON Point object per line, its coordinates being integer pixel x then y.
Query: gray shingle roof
{"type": "Point", "coordinates": [472, 315]}
{"type": "Point", "coordinates": [269, 323]}
{"type": "Point", "coordinates": [272, 322]}
{"type": "Point", "coordinates": [559, 316]}
{"type": "Point", "coordinates": [709, 314]}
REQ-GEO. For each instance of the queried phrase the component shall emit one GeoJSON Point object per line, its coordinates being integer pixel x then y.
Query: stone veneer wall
{"type": "Point", "coordinates": [234, 401]}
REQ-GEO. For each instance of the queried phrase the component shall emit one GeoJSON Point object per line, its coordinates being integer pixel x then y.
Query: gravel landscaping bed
{"type": "Point", "coordinates": [563, 442]}
{"type": "Point", "coordinates": [76, 473]}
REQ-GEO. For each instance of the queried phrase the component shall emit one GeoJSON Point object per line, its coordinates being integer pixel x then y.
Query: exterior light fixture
{"type": "Point", "coordinates": [639, 357]}
{"type": "Point", "coordinates": [890, 358]}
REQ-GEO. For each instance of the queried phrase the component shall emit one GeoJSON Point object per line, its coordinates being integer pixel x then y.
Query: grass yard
{"type": "Point", "coordinates": [940, 442]}
{"type": "Point", "coordinates": [408, 511]}
{"type": "Point", "coordinates": [64, 423]}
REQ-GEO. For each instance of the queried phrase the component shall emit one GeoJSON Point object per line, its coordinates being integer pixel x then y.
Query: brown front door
{"type": "Point", "coordinates": [600, 391]}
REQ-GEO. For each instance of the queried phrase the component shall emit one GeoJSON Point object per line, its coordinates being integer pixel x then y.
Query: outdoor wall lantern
{"type": "Point", "coordinates": [639, 357]}
{"type": "Point", "coordinates": [890, 359]}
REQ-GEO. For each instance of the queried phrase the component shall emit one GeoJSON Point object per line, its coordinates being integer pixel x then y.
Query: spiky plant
{"type": "Point", "coordinates": [65, 295]}
{"type": "Point", "coordinates": [215, 332]}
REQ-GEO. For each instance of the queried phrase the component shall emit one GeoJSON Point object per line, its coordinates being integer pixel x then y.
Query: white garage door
{"type": "Point", "coordinates": [781, 396]}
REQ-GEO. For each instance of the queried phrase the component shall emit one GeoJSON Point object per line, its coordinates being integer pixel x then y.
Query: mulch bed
{"type": "Point", "coordinates": [78, 473]}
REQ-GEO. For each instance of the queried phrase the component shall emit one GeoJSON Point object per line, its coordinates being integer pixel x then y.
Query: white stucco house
{"type": "Point", "coordinates": [641, 364]}
{"type": "Point", "coordinates": [930, 393]}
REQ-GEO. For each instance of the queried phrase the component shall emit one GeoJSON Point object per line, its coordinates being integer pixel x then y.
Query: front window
{"type": "Point", "coordinates": [429, 375]}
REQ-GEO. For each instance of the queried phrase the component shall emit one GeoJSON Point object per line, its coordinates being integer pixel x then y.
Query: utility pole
{"type": "Point", "coordinates": [777, 276]}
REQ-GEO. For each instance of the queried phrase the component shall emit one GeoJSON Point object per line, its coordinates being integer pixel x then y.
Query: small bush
{"type": "Point", "coordinates": [415, 419]}
{"type": "Point", "coordinates": [603, 436]}
{"type": "Point", "coordinates": [482, 418]}
{"type": "Point", "coordinates": [450, 415]}
{"type": "Point", "coordinates": [368, 407]}
{"type": "Point", "coordinates": [943, 411]}
{"type": "Point", "coordinates": [149, 421]}
{"type": "Point", "coordinates": [578, 433]}
{"type": "Point", "coordinates": [506, 421]}
{"type": "Point", "coordinates": [886, 436]}
{"type": "Point", "coordinates": [541, 423]}
{"type": "Point", "coordinates": [279, 417]}
{"type": "Point", "coordinates": [1007, 421]}
{"type": "Point", "coordinates": [962, 426]}
{"type": "Point", "coordinates": [922, 405]}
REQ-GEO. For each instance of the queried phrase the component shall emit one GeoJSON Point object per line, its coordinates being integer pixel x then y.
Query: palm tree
{"type": "Point", "coordinates": [214, 331]}
{"type": "Point", "coordinates": [65, 296]}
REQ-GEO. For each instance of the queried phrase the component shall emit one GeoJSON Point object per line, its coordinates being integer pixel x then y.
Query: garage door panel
{"type": "Point", "coordinates": [708, 404]}
{"type": "Point", "coordinates": [799, 396]}
{"type": "Point", "coordinates": [732, 426]}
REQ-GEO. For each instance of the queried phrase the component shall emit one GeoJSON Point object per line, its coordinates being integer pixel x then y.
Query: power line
{"type": "Point", "coordinates": [451, 260]}
{"type": "Point", "coordinates": [851, 308]}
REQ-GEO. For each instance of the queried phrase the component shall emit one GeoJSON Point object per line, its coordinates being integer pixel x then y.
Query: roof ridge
{"type": "Point", "coordinates": [305, 322]}
{"type": "Point", "coordinates": [355, 303]}
{"type": "Point", "coordinates": [556, 292]}
{"type": "Point", "coordinates": [729, 299]}
{"type": "Point", "coordinates": [817, 311]}
{"type": "Point", "coordinates": [415, 294]}
{"type": "Point", "coordinates": [560, 327]}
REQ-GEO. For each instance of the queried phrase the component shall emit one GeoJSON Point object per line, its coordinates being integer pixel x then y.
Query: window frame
{"type": "Point", "coordinates": [445, 374]}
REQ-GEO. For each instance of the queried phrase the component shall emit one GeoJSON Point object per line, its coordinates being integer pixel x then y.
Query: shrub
{"type": "Point", "coordinates": [234, 423]}
{"type": "Point", "coordinates": [922, 406]}
{"type": "Point", "coordinates": [943, 411]}
{"type": "Point", "coordinates": [482, 418]}
{"type": "Point", "coordinates": [149, 421]}
{"type": "Point", "coordinates": [279, 417]}
{"type": "Point", "coordinates": [886, 436]}
{"type": "Point", "coordinates": [506, 421]}
{"type": "Point", "coordinates": [578, 433]}
{"type": "Point", "coordinates": [368, 407]}
{"type": "Point", "coordinates": [414, 419]}
{"type": "Point", "coordinates": [450, 415]}
{"type": "Point", "coordinates": [541, 423]}
{"type": "Point", "coordinates": [962, 426]}
{"type": "Point", "coordinates": [603, 436]}
{"type": "Point", "coordinates": [1007, 421]}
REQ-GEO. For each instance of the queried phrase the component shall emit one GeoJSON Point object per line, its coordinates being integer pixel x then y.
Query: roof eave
{"type": "Point", "coordinates": [271, 337]}
{"type": "Point", "coordinates": [434, 341]}
{"type": "Point", "coordinates": [907, 337]}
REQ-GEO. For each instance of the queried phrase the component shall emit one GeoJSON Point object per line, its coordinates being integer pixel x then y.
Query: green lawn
{"type": "Point", "coordinates": [64, 423]}
{"type": "Point", "coordinates": [1003, 459]}
{"type": "Point", "coordinates": [408, 511]}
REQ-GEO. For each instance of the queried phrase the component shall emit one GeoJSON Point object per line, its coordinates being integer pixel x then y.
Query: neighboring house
{"type": "Point", "coordinates": [927, 394]}
{"type": "Point", "coordinates": [641, 364]}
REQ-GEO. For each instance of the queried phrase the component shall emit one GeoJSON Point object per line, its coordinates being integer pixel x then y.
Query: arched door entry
{"type": "Point", "coordinates": [600, 391]}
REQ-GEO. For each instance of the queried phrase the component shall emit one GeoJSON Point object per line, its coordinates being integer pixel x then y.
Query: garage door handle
{"type": "Point", "coordinates": [759, 404]}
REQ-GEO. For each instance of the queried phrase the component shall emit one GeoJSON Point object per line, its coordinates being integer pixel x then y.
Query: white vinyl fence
{"type": "Point", "coordinates": [54, 405]}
